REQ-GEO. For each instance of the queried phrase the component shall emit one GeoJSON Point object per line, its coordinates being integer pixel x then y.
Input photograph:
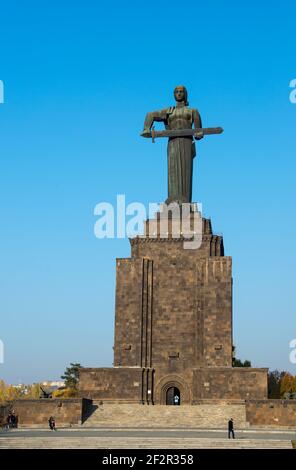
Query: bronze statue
{"type": "Point", "coordinates": [178, 121]}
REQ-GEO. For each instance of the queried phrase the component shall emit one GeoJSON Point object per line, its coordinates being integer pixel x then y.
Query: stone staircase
{"type": "Point", "coordinates": [57, 442]}
{"type": "Point", "coordinates": [205, 415]}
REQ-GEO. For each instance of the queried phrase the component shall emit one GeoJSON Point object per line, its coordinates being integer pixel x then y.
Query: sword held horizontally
{"type": "Point", "coordinates": [197, 132]}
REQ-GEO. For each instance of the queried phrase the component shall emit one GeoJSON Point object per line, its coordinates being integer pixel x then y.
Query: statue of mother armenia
{"type": "Point", "coordinates": [178, 121]}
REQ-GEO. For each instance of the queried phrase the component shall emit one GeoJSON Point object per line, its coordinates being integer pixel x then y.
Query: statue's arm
{"type": "Point", "coordinates": [197, 123]}
{"type": "Point", "coordinates": [159, 116]}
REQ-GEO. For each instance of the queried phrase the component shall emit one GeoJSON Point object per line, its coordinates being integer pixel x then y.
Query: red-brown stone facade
{"type": "Point", "coordinates": [273, 413]}
{"type": "Point", "coordinates": [67, 412]}
{"type": "Point", "coordinates": [173, 326]}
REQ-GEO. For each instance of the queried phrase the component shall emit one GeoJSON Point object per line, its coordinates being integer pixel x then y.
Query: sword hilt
{"type": "Point", "coordinates": [153, 134]}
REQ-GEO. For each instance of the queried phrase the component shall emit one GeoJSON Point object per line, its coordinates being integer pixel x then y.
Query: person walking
{"type": "Point", "coordinates": [13, 420]}
{"type": "Point", "coordinates": [230, 429]}
{"type": "Point", "coordinates": [51, 423]}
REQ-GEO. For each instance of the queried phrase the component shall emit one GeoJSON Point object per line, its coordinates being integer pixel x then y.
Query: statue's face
{"type": "Point", "coordinates": [179, 93]}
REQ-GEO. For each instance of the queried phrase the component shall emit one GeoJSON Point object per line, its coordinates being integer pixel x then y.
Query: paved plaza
{"type": "Point", "coordinates": [144, 438]}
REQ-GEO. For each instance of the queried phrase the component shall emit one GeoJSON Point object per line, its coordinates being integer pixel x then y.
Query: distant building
{"type": "Point", "coordinates": [53, 383]}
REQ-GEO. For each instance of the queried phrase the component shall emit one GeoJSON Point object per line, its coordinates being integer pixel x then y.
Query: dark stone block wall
{"type": "Point", "coordinates": [127, 349]}
{"type": "Point", "coordinates": [232, 382]}
{"type": "Point", "coordinates": [172, 302]}
{"type": "Point", "coordinates": [4, 410]}
{"type": "Point", "coordinates": [112, 384]}
{"type": "Point", "coordinates": [173, 324]}
{"type": "Point", "coordinates": [271, 413]}
{"type": "Point", "coordinates": [66, 411]}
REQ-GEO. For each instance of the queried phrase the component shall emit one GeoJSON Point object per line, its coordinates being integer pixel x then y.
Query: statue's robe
{"type": "Point", "coordinates": [181, 150]}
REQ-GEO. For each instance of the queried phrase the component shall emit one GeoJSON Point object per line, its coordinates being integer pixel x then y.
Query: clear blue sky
{"type": "Point", "coordinates": [79, 78]}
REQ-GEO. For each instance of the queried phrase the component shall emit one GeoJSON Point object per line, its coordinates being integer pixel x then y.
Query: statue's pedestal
{"type": "Point", "coordinates": [175, 222]}
{"type": "Point", "coordinates": [173, 321]}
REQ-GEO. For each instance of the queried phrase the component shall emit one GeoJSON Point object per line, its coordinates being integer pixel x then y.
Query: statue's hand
{"type": "Point", "coordinates": [198, 135]}
{"type": "Point", "coordinates": [146, 133]}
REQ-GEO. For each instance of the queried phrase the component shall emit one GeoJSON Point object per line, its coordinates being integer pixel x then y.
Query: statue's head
{"type": "Point", "coordinates": [180, 94]}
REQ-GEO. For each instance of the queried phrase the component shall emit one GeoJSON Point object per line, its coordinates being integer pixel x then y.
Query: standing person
{"type": "Point", "coordinates": [8, 421]}
{"type": "Point", "coordinates": [230, 429]}
{"type": "Point", "coordinates": [176, 400]}
{"type": "Point", "coordinates": [51, 423]}
{"type": "Point", "coordinates": [13, 419]}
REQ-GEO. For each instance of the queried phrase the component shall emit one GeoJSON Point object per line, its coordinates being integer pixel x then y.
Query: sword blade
{"type": "Point", "coordinates": [184, 132]}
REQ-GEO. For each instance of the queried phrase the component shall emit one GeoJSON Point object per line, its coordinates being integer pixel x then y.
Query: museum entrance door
{"type": "Point", "coordinates": [173, 396]}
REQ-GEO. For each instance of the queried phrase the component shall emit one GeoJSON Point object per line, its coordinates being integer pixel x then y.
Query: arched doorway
{"type": "Point", "coordinates": [172, 381]}
{"type": "Point", "coordinates": [173, 396]}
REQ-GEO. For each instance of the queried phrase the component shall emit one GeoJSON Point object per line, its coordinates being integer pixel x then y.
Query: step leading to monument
{"type": "Point", "coordinates": [211, 416]}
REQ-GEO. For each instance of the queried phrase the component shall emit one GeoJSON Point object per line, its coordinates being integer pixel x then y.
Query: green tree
{"type": "Point", "coordinates": [237, 362]}
{"type": "Point", "coordinates": [71, 376]}
{"type": "Point", "coordinates": [274, 383]}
